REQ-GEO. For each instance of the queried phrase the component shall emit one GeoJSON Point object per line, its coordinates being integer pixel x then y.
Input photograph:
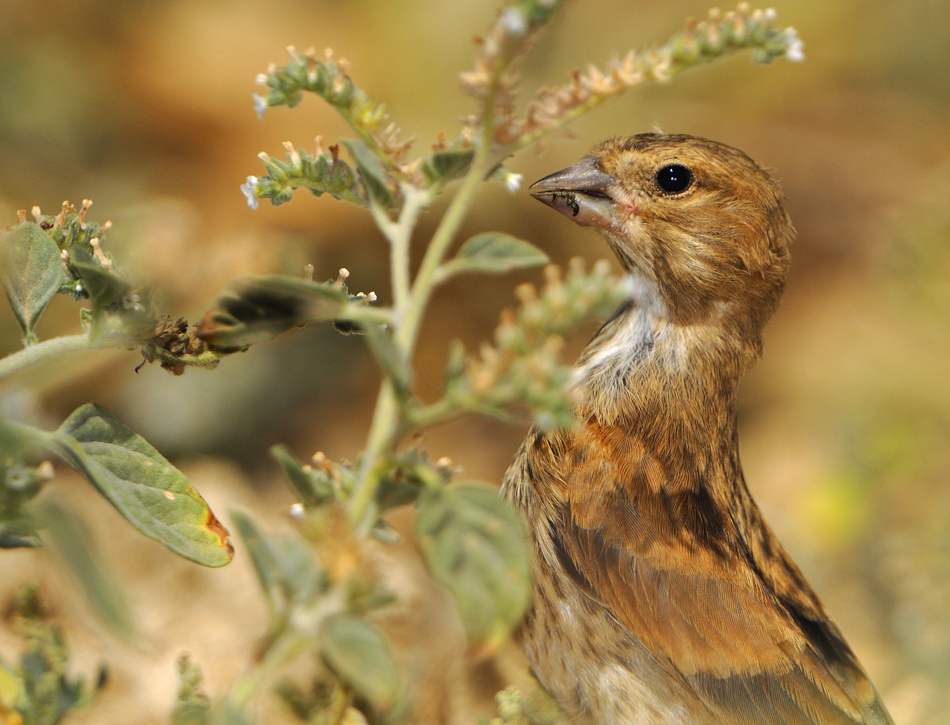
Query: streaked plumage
{"type": "Point", "coordinates": [661, 595]}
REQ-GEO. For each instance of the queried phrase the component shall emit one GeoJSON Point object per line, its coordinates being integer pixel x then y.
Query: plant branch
{"type": "Point", "coordinates": [41, 350]}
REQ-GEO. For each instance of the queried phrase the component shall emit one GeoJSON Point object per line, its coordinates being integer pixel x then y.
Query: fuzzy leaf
{"type": "Point", "coordinates": [372, 173]}
{"type": "Point", "coordinates": [493, 252]}
{"type": "Point", "coordinates": [73, 544]}
{"type": "Point", "coordinates": [31, 270]}
{"type": "Point", "coordinates": [390, 359]}
{"type": "Point", "coordinates": [259, 308]}
{"type": "Point", "coordinates": [105, 288]}
{"type": "Point", "coordinates": [474, 544]}
{"type": "Point", "coordinates": [359, 654]}
{"type": "Point", "coordinates": [314, 487]}
{"type": "Point", "coordinates": [284, 563]}
{"type": "Point", "coordinates": [443, 166]}
{"type": "Point", "coordinates": [154, 496]}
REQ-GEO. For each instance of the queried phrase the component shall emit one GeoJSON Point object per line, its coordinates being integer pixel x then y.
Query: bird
{"type": "Point", "coordinates": [660, 593]}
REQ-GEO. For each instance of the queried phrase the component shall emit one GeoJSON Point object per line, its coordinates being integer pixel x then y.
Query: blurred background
{"type": "Point", "coordinates": [145, 107]}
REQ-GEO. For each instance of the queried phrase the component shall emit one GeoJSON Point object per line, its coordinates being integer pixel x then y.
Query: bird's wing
{"type": "Point", "coordinates": [750, 637]}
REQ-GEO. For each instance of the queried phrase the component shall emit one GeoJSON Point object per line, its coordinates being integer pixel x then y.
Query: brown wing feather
{"type": "Point", "coordinates": [755, 649]}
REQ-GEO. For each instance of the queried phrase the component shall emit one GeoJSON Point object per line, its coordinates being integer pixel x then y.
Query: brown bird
{"type": "Point", "coordinates": [661, 595]}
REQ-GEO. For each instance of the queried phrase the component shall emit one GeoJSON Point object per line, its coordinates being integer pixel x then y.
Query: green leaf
{"type": "Point", "coordinates": [372, 173]}
{"type": "Point", "coordinates": [390, 359]}
{"type": "Point", "coordinates": [315, 487]}
{"type": "Point", "coordinates": [493, 252]}
{"type": "Point", "coordinates": [73, 545]}
{"type": "Point", "coordinates": [32, 272]}
{"type": "Point", "coordinates": [359, 654]}
{"type": "Point", "coordinates": [18, 530]}
{"type": "Point", "coordinates": [284, 563]}
{"type": "Point", "coordinates": [474, 543]}
{"type": "Point", "coordinates": [154, 496]}
{"type": "Point", "coordinates": [105, 288]}
{"type": "Point", "coordinates": [443, 166]}
{"type": "Point", "coordinates": [258, 308]}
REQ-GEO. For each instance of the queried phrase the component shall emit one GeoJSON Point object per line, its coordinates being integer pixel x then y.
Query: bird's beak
{"type": "Point", "coordinates": [580, 192]}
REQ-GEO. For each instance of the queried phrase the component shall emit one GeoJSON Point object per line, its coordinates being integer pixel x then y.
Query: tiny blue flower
{"type": "Point", "coordinates": [514, 21]}
{"type": "Point", "coordinates": [249, 190]}
{"type": "Point", "coordinates": [260, 104]}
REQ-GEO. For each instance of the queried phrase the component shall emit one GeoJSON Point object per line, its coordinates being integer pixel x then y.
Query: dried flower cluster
{"type": "Point", "coordinates": [699, 42]}
{"type": "Point", "coordinates": [524, 364]}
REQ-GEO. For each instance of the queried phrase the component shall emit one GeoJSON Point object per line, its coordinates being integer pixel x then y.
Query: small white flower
{"type": "Point", "coordinates": [261, 78]}
{"type": "Point", "coordinates": [260, 104]}
{"type": "Point", "coordinates": [513, 181]}
{"type": "Point", "coordinates": [794, 47]}
{"type": "Point", "coordinates": [514, 21]}
{"type": "Point", "coordinates": [249, 189]}
{"type": "Point", "coordinates": [297, 511]}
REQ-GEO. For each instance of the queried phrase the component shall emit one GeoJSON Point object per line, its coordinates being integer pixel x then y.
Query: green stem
{"type": "Point", "coordinates": [50, 348]}
{"type": "Point", "coordinates": [383, 435]}
{"type": "Point", "coordinates": [386, 427]}
{"type": "Point", "coordinates": [440, 411]}
{"type": "Point", "coordinates": [287, 646]}
{"type": "Point", "coordinates": [399, 235]}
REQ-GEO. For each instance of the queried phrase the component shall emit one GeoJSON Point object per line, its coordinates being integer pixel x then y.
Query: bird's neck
{"type": "Point", "coordinates": [643, 368]}
{"type": "Point", "coordinates": [673, 389]}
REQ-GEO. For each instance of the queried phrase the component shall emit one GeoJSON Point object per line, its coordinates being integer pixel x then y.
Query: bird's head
{"type": "Point", "coordinates": [700, 222]}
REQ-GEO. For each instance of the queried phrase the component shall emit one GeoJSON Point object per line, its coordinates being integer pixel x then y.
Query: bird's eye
{"type": "Point", "coordinates": [674, 178]}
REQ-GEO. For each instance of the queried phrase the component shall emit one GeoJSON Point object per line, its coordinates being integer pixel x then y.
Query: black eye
{"type": "Point", "coordinates": [674, 178]}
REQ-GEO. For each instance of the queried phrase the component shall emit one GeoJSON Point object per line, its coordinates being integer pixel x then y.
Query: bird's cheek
{"type": "Point", "coordinates": [606, 214]}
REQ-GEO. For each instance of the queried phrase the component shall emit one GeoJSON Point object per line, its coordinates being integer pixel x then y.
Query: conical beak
{"type": "Point", "coordinates": [580, 192]}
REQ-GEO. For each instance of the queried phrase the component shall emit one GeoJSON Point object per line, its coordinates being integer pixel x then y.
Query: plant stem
{"type": "Point", "coordinates": [399, 235]}
{"type": "Point", "coordinates": [286, 647]}
{"type": "Point", "coordinates": [34, 353]}
{"type": "Point", "coordinates": [383, 435]}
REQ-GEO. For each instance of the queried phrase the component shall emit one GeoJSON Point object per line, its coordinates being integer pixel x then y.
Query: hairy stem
{"type": "Point", "coordinates": [388, 417]}
{"type": "Point", "coordinates": [383, 436]}
{"type": "Point", "coordinates": [50, 348]}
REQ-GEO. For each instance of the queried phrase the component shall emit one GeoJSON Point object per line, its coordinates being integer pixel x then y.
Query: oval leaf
{"type": "Point", "coordinates": [359, 654]}
{"type": "Point", "coordinates": [443, 166]}
{"type": "Point", "coordinates": [75, 547]}
{"type": "Point", "coordinates": [153, 495]}
{"type": "Point", "coordinates": [32, 272]}
{"type": "Point", "coordinates": [284, 563]}
{"type": "Point", "coordinates": [494, 252]}
{"type": "Point", "coordinates": [372, 173]}
{"type": "Point", "coordinates": [259, 308]}
{"type": "Point", "coordinates": [105, 288]}
{"type": "Point", "coordinates": [475, 544]}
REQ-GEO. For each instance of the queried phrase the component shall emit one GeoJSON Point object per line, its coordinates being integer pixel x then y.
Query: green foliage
{"type": "Point", "coordinates": [359, 654]}
{"type": "Point", "coordinates": [32, 274]}
{"type": "Point", "coordinates": [257, 309]}
{"type": "Point", "coordinates": [38, 689]}
{"type": "Point", "coordinates": [473, 542]}
{"type": "Point", "coordinates": [73, 545]}
{"type": "Point", "coordinates": [154, 496]}
{"type": "Point", "coordinates": [493, 253]}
